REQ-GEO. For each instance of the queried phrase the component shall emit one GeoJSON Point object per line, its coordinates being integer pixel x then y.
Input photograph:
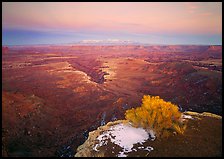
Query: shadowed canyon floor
{"type": "Point", "coordinates": [52, 96]}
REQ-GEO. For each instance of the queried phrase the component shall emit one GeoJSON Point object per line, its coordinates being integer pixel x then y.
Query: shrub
{"type": "Point", "coordinates": [162, 117]}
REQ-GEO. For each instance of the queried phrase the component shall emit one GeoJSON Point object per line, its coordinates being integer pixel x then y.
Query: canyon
{"type": "Point", "coordinates": [54, 95]}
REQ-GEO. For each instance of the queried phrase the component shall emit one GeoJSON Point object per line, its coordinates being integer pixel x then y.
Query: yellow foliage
{"type": "Point", "coordinates": [156, 114]}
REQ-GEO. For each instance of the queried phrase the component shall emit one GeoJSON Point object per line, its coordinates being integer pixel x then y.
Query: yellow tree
{"type": "Point", "coordinates": [162, 117]}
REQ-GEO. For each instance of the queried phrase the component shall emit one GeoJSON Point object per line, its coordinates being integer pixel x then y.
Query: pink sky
{"type": "Point", "coordinates": [150, 22]}
{"type": "Point", "coordinates": [200, 17]}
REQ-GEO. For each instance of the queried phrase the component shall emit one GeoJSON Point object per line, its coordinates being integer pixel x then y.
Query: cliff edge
{"type": "Point", "coordinates": [202, 138]}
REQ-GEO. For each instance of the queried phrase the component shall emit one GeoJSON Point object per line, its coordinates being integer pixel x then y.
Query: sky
{"type": "Point", "coordinates": [197, 23]}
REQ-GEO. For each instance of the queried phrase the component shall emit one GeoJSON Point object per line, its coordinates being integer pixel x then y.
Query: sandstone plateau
{"type": "Point", "coordinates": [54, 95]}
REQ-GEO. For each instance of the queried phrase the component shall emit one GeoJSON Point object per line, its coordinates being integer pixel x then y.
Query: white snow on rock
{"type": "Point", "coordinates": [152, 135]}
{"type": "Point", "coordinates": [187, 116]}
{"type": "Point", "coordinates": [184, 117]}
{"type": "Point", "coordinates": [125, 136]}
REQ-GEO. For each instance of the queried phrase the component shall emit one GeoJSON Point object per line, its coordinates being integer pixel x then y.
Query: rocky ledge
{"type": "Point", "coordinates": [202, 138]}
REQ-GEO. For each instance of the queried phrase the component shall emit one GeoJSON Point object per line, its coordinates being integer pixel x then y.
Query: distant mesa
{"type": "Point", "coordinates": [214, 48]}
{"type": "Point", "coordinates": [108, 42]}
{"type": "Point", "coordinates": [5, 49]}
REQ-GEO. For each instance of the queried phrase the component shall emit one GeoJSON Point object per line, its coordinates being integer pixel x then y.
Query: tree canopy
{"type": "Point", "coordinates": [162, 117]}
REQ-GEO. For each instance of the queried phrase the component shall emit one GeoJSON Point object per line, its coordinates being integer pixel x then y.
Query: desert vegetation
{"type": "Point", "coordinates": [162, 117]}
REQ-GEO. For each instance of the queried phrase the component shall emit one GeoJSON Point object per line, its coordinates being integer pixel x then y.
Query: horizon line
{"type": "Point", "coordinates": [108, 44]}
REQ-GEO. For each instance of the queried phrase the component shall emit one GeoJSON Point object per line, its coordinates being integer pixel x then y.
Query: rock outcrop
{"type": "Point", "coordinates": [202, 138]}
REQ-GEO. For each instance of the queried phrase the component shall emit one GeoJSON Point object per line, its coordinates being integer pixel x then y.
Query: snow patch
{"type": "Point", "coordinates": [149, 148]}
{"type": "Point", "coordinates": [152, 135]}
{"type": "Point", "coordinates": [125, 136]}
{"type": "Point", "coordinates": [95, 147]}
{"type": "Point", "coordinates": [187, 116]}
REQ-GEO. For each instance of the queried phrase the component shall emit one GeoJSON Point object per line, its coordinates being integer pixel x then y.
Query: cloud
{"type": "Point", "coordinates": [192, 7]}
